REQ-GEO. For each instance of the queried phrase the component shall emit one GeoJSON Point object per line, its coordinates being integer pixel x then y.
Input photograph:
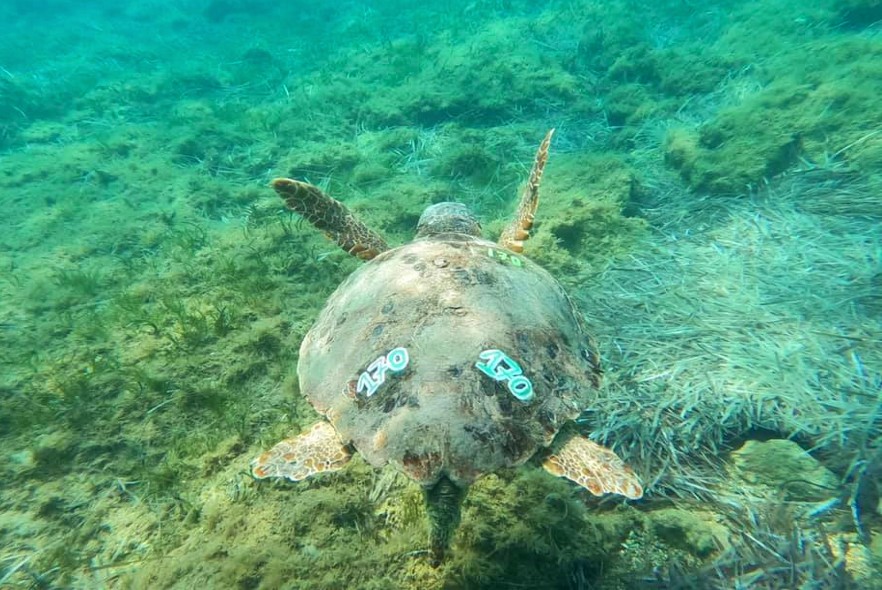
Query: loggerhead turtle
{"type": "Point", "coordinates": [448, 357]}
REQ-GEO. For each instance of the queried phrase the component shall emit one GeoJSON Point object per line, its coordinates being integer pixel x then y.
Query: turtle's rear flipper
{"type": "Point", "coordinates": [595, 468]}
{"type": "Point", "coordinates": [443, 505]}
{"type": "Point", "coordinates": [331, 216]}
{"type": "Point", "coordinates": [313, 451]}
{"type": "Point", "coordinates": [519, 229]}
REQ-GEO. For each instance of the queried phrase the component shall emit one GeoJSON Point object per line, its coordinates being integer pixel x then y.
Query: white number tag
{"type": "Point", "coordinates": [501, 367]}
{"type": "Point", "coordinates": [369, 381]}
{"type": "Point", "coordinates": [503, 256]}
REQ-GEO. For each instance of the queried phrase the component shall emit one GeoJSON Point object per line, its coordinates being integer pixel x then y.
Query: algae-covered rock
{"type": "Point", "coordinates": [681, 150]}
{"type": "Point", "coordinates": [863, 563]}
{"type": "Point", "coordinates": [667, 540]}
{"type": "Point", "coordinates": [526, 529]}
{"type": "Point", "coordinates": [584, 221]}
{"type": "Point", "coordinates": [783, 465]}
{"type": "Point", "coordinates": [629, 104]}
{"type": "Point", "coordinates": [693, 531]}
{"type": "Point", "coordinates": [51, 454]}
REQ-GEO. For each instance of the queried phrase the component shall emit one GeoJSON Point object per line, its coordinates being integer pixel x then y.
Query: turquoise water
{"type": "Point", "coordinates": [711, 202]}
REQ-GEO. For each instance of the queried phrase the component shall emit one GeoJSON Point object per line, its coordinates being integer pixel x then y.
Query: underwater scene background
{"type": "Point", "coordinates": [712, 202]}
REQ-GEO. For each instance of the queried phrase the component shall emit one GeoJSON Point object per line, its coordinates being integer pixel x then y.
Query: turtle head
{"type": "Point", "coordinates": [447, 218]}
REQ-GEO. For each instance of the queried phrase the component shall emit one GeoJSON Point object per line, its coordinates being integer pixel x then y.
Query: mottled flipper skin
{"type": "Point", "coordinates": [316, 450]}
{"type": "Point", "coordinates": [595, 468]}
{"type": "Point", "coordinates": [518, 230]}
{"type": "Point", "coordinates": [331, 216]}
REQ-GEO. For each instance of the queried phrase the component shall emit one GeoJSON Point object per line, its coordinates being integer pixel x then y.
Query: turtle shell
{"type": "Point", "coordinates": [448, 356]}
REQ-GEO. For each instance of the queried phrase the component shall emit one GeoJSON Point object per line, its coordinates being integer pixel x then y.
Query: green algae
{"type": "Point", "coordinates": [812, 117]}
{"type": "Point", "coordinates": [783, 466]}
{"type": "Point", "coordinates": [156, 294]}
{"type": "Point", "coordinates": [808, 102]}
{"type": "Point", "coordinates": [582, 224]}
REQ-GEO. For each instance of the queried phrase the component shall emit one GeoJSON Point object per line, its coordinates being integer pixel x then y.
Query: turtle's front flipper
{"type": "Point", "coordinates": [595, 468]}
{"type": "Point", "coordinates": [331, 216]}
{"type": "Point", "coordinates": [518, 230]}
{"type": "Point", "coordinates": [312, 451]}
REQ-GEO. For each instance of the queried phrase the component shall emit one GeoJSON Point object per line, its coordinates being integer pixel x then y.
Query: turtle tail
{"type": "Point", "coordinates": [443, 504]}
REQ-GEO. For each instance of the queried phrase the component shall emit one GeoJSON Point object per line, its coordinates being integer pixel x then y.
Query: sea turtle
{"type": "Point", "coordinates": [448, 357]}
